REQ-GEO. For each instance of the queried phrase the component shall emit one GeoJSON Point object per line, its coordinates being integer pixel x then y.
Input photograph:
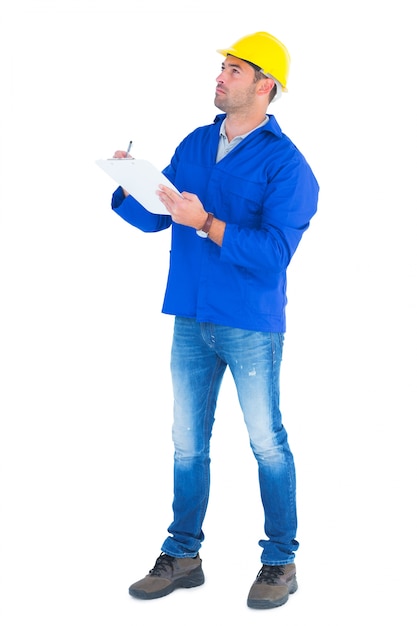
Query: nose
{"type": "Point", "coordinates": [219, 79]}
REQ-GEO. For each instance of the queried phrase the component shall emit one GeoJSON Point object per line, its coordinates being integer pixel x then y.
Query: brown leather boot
{"type": "Point", "coordinates": [169, 573]}
{"type": "Point", "coordinates": [272, 586]}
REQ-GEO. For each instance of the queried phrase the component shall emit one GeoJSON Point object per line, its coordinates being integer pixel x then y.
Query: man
{"type": "Point", "coordinates": [247, 197]}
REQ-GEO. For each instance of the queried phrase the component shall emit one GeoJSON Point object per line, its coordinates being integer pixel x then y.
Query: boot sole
{"type": "Point", "coordinates": [194, 579]}
{"type": "Point", "coordinates": [271, 604]}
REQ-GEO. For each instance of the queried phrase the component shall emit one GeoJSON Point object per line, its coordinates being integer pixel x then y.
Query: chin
{"type": "Point", "coordinates": [218, 105]}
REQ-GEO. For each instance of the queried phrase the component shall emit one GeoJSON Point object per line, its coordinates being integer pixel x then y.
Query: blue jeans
{"type": "Point", "coordinates": [200, 354]}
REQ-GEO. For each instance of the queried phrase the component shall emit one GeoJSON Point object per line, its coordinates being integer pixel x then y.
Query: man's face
{"type": "Point", "coordinates": [236, 86]}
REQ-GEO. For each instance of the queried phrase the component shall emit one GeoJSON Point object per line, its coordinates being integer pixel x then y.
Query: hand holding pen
{"type": "Point", "coordinates": [121, 154]}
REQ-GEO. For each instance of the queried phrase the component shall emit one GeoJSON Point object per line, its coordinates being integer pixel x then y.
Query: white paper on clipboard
{"type": "Point", "coordinates": [140, 178]}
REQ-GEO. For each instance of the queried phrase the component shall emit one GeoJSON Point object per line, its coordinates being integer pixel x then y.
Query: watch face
{"type": "Point", "coordinates": [201, 233]}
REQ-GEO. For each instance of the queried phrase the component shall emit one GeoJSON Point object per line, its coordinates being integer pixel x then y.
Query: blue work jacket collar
{"type": "Point", "coordinates": [271, 126]}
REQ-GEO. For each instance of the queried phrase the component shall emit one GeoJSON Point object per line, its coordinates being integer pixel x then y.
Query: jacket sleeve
{"type": "Point", "coordinates": [135, 214]}
{"type": "Point", "coordinates": [288, 206]}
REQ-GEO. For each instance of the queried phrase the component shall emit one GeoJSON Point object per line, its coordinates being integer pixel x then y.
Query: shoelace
{"type": "Point", "coordinates": [161, 564]}
{"type": "Point", "coordinates": [269, 574]}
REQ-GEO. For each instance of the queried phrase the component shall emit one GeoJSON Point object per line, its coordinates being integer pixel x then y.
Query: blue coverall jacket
{"type": "Point", "coordinates": [267, 194]}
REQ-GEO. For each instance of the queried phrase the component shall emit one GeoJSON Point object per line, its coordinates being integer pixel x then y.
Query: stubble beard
{"type": "Point", "coordinates": [243, 102]}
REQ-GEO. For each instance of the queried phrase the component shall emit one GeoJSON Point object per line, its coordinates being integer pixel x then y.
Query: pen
{"type": "Point", "coordinates": [129, 147]}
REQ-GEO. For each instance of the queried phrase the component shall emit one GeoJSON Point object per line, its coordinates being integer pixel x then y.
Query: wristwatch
{"type": "Point", "coordinates": [206, 228]}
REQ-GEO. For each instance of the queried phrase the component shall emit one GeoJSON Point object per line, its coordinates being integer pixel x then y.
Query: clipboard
{"type": "Point", "coordinates": [140, 178]}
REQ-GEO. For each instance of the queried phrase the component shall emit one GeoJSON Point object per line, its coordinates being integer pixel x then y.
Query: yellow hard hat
{"type": "Point", "coordinates": [265, 51]}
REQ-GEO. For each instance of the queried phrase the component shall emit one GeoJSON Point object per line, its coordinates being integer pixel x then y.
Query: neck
{"type": "Point", "coordinates": [240, 124]}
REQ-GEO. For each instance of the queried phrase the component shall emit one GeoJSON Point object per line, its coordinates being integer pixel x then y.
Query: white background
{"type": "Point", "coordinates": [85, 448]}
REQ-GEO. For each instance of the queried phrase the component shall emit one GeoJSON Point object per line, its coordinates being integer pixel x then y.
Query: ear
{"type": "Point", "coordinates": [265, 86]}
